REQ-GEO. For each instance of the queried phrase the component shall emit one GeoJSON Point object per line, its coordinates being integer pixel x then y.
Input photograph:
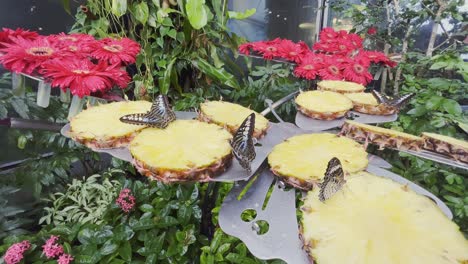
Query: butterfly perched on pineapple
{"type": "Point", "coordinates": [160, 114]}
{"type": "Point", "coordinates": [242, 143]}
{"type": "Point", "coordinates": [397, 102]}
{"type": "Point", "coordinates": [333, 180]}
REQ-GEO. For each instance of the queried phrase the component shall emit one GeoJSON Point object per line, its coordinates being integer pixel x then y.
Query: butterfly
{"type": "Point", "coordinates": [242, 143]}
{"type": "Point", "coordinates": [333, 181]}
{"type": "Point", "coordinates": [160, 114]}
{"type": "Point", "coordinates": [397, 102]}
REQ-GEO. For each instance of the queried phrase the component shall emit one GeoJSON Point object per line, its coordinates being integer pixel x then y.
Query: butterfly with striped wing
{"type": "Point", "coordinates": [160, 114]}
{"type": "Point", "coordinates": [397, 102]}
{"type": "Point", "coordinates": [333, 180]}
{"type": "Point", "coordinates": [242, 143]}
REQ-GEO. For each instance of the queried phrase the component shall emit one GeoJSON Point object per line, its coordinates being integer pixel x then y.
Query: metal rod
{"type": "Point", "coordinates": [279, 102]}
{"type": "Point", "coordinates": [39, 79]}
{"type": "Point", "coordinates": [20, 123]}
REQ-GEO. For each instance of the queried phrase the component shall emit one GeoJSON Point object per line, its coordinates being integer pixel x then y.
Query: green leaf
{"type": "Point", "coordinates": [146, 208]}
{"type": "Point", "coordinates": [452, 107]}
{"type": "Point", "coordinates": [142, 12]}
{"type": "Point", "coordinates": [22, 140]}
{"type": "Point", "coordinates": [196, 13]}
{"type": "Point", "coordinates": [166, 81]}
{"type": "Point", "coordinates": [84, 236]}
{"type": "Point", "coordinates": [3, 111]}
{"type": "Point", "coordinates": [242, 15]}
{"type": "Point", "coordinates": [434, 102]}
{"type": "Point", "coordinates": [438, 65]}
{"type": "Point", "coordinates": [125, 251]}
{"type": "Point", "coordinates": [218, 74]}
{"type": "Point", "coordinates": [119, 7]}
{"type": "Point", "coordinates": [109, 247]}
{"type": "Point", "coordinates": [66, 6]}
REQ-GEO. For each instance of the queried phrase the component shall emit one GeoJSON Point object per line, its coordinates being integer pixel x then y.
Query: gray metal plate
{"type": "Point", "coordinates": [437, 158]}
{"type": "Point", "coordinates": [311, 124]}
{"type": "Point", "coordinates": [282, 239]}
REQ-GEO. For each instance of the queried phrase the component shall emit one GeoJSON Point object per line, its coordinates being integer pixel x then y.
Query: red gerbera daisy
{"type": "Point", "coordinates": [309, 66]}
{"type": "Point", "coordinates": [6, 34]}
{"type": "Point", "coordinates": [269, 49]}
{"type": "Point", "coordinates": [77, 45]}
{"type": "Point", "coordinates": [372, 31]}
{"type": "Point", "coordinates": [291, 51]}
{"type": "Point", "coordinates": [116, 51]}
{"type": "Point", "coordinates": [328, 33]}
{"type": "Point", "coordinates": [331, 72]}
{"type": "Point", "coordinates": [377, 57]}
{"type": "Point", "coordinates": [245, 48]}
{"type": "Point", "coordinates": [357, 71]}
{"type": "Point", "coordinates": [27, 56]}
{"type": "Point", "coordinates": [355, 40]}
{"type": "Point", "coordinates": [83, 77]}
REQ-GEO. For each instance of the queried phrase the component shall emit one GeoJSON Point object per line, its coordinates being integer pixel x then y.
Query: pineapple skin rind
{"type": "Point", "coordinates": [380, 109]}
{"type": "Point", "coordinates": [311, 246]}
{"type": "Point", "coordinates": [203, 174]}
{"type": "Point", "coordinates": [383, 140]}
{"type": "Point", "coordinates": [258, 133]}
{"type": "Point", "coordinates": [321, 115]}
{"type": "Point", "coordinates": [456, 152]}
{"type": "Point", "coordinates": [103, 143]}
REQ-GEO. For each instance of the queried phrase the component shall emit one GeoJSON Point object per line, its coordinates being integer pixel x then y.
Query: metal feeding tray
{"type": "Point", "coordinates": [308, 123]}
{"type": "Point", "coordinates": [281, 240]}
{"type": "Point", "coordinates": [437, 158]}
{"type": "Point", "coordinates": [277, 132]}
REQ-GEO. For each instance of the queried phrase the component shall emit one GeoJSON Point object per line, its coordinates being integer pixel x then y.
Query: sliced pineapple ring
{"type": "Point", "coordinates": [100, 127]}
{"type": "Point", "coordinates": [340, 86]}
{"type": "Point", "coordinates": [455, 148]}
{"type": "Point", "coordinates": [302, 160]}
{"type": "Point", "coordinates": [323, 105]}
{"type": "Point", "coordinates": [367, 104]}
{"type": "Point", "coordinates": [376, 220]}
{"type": "Point", "coordinates": [380, 136]}
{"type": "Point", "coordinates": [187, 150]}
{"type": "Point", "coordinates": [231, 116]}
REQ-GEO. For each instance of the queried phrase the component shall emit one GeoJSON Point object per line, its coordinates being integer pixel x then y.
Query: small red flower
{"type": "Point", "coordinates": [331, 72]}
{"type": "Point", "coordinates": [355, 40]}
{"type": "Point", "coordinates": [51, 248]}
{"type": "Point", "coordinates": [83, 77]}
{"type": "Point", "coordinates": [357, 71]}
{"type": "Point", "coordinates": [15, 253]}
{"type": "Point", "coordinates": [27, 56]}
{"type": "Point", "coordinates": [376, 57]}
{"type": "Point", "coordinates": [371, 31]}
{"type": "Point", "coordinates": [269, 49]}
{"type": "Point", "coordinates": [309, 67]}
{"type": "Point", "coordinates": [116, 51]}
{"type": "Point", "coordinates": [328, 34]}
{"type": "Point", "coordinates": [76, 44]}
{"type": "Point", "coordinates": [126, 201]}
{"type": "Point", "coordinates": [6, 34]}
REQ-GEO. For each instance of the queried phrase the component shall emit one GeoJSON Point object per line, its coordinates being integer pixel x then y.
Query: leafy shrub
{"type": "Point", "coordinates": [84, 201]}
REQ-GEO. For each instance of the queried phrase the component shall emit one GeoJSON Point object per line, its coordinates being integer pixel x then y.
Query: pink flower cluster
{"type": "Point", "coordinates": [15, 252]}
{"type": "Point", "coordinates": [75, 61]}
{"type": "Point", "coordinates": [126, 201]}
{"type": "Point", "coordinates": [52, 249]}
{"type": "Point", "coordinates": [338, 55]}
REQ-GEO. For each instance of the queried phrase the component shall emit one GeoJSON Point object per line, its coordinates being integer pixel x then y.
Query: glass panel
{"type": "Point", "coordinates": [295, 20]}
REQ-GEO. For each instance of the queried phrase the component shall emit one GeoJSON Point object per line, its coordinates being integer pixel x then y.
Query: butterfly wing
{"type": "Point", "coordinates": [333, 180]}
{"type": "Point", "coordinates": [242, 143]}
{"type": "Point", "coordinates": [160, 114]}
{"type": "Point", "coordinates": [381, 98]}
{"type": "Point", "coordinates": [401, 101]}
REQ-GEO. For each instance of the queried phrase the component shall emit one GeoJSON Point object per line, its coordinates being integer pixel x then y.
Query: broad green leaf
{"type": "Point", "coordinates": [438, 65]}
{"type": "Point", "coordinates": [166, 80]}
{"type": "Point", "coordinates": [66, 6]}
{"type": "Point", "coordinates": [196, 13]}
{"type": "Point", "coordinates": [242, 15]}
{"type": "Point", "coordinates": [463, 126]}
{"type": "Point", "coordinates": [142, 12]}
{"type": "Point", "coordinates": [109, 247]}
{"type": "Point", "coordinates": [452, 107]}
{"type": "Point", "coordinates": [119, 7]}
{"type": "Point", "coordinates": [218, 74]}
{"type": "Point", "coordinates": [146, 208]}
{"type": "Point", "coordinates": [434, 102]}
{"type": "Point", "coordinates": [125, 251]}
{"type": "Point", "coordinates": [3, 111]}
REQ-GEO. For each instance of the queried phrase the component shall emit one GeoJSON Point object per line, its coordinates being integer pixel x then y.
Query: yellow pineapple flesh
{"type": "Point", "coordinates": [452, 147]}
{"type": "Point", "coordinates": [367, 104]}
{"type": "Point", "coordinates": [340, 86]}
{"type": "Point", "coordinates": [381, 137]}
{"type": "Point", "coordinates": [186, 150]}
{"type": "Point", "coordinates": [302, 160]}
{"type": "Point", "coordinates": [376, 220]}
{"type": "Point", "coordinates": [323, 105]}
{"type": "Point", "coordinates": [231, 116]}
{"type": "Point", "coordinates": [100, 127]}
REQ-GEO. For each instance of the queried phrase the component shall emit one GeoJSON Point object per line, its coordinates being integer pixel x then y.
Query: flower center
{"type": "Point", "coordinates": [40, 51]}
{"type": "Point", "coordinates": [293, 53]}
{"type": "Point", "coordinates": [342, 47]}
{"type": "Point", "coordinates": [73, 48]}
{"type": "Point", "coordinates": [358, 68]}
{"type": "Point", "coordinates": [113, 48]}
{"type": "Point", "coordinates": [80, 71]}
{"type": "Point", "coordinates": [271, 48]}
{"type": "Point", "coordinates": [309, 67]}
{"type": "Point", "coordinates": [334, 69]}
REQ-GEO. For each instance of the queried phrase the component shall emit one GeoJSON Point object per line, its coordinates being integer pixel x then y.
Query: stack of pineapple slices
{"type": "Point", "coordinates": [302, 160]}
{"type": "Point", "coordinates": [340, 86]}
{"type": "Point", "coordinates": [367, 104]}
{"type": "Point", "coordinates": [375, 220]}
{"type": "Point", "coordinates": [100, 127]}
{"type": "Point", "coordinates": [454, 148]}
{"type": "Point", "coordinates": [323, 105]}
